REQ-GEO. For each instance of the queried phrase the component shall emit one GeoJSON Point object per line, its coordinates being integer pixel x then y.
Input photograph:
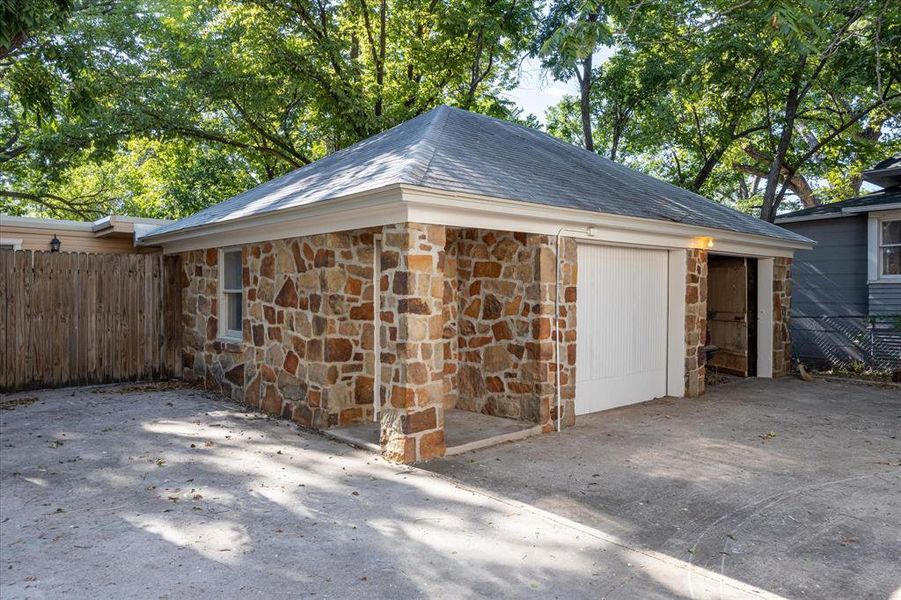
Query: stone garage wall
{"type": "Point", "coordinates": [498, 332]}
{"type": "Point", "coordinates": [695, 321]}
{"type": "Point", "coordinates": [307, 350]}
{"type": "Point", "coordinates": [782, 293]}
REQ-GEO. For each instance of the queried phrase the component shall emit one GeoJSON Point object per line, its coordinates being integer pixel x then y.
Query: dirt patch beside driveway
{"type": "Point", "coordinates": [789, 486]}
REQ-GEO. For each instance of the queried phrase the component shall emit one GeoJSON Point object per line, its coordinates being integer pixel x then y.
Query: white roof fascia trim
{"type": "Point", "coordinates": [868, 209]}
{"type": "Point", "coordinates": [360, 211]}
{"type": "Point", "coordinates": [432, 206]}
{"type": "Point", "coordinates": [38, 223]}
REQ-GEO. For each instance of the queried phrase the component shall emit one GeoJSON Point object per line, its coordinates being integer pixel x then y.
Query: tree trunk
{"type": "Point", "coordinates": [585, 102]}
{"type": "Point", "coordinates": [770, 200]}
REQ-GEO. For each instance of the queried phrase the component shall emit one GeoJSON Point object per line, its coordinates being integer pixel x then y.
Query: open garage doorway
{"type": "Point", "coordinates": [732, 316]}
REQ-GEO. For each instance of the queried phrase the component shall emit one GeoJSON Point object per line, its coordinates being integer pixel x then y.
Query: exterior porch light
{"type": "Point", "coordinates": [54, 244]}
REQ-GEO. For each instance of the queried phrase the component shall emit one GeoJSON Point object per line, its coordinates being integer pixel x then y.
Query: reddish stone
{"type": "Point", "coordinates": [541, 328]}
{"type": "Point", "coordinates": [212, 257]}
{"type": "Point", "coordinates": [495, 384]}
{"type": "Point", "coordinates": [402, 397]}
{"type": "Point", "coordinates": [338, 350]}
{"type": "Point", "coordinates": [324, 258]}
{"type": "Point", "coordinates": [350, 415]}
{"type": "Point", "coordinates": [487, 269]}
{"type": "Point", "coordinates": [473, 309]}
{"type": "Point", "coordinates": [299, 262]}
{"type": "Point", "coordinates": [501, 331]}
{"type": "Point", "coordinates": [287, 296]}
{"type": "Point", "coordinates": [353, 287]}
{"type": "Point", "coordinates": [569, 295]}
{"type": "Point", "coordinates": [291, 362]}
{"type": "Point", "coordinates": [416, 306]}
{"type": "Point", "coordinates": [431, 445]}
{"type": "Point", "coordinates": [422, 420]}
{"type": "Point", "coordinates": [363, 312]}
{"type": "Point", "coordinates": [401, 283]}
{"type": "Point", "coordinates": [269, 314]}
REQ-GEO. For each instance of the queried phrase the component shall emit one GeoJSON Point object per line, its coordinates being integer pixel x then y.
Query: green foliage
{"type": "Point", "coordinates": [699, 93]}
{"type": "Point", "coordinates": [161, 107]}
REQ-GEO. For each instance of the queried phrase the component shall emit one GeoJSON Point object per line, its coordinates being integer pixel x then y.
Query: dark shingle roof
{"type": "Point", "coordinates": [876, 199]}
{"type": "Point", "coordinates": [454, 150]}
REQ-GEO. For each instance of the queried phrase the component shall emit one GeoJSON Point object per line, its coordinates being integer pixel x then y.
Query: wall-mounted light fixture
{"type": "Point", "coordinates": [54, 244]}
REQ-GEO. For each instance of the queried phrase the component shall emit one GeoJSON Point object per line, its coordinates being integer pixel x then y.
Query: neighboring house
{"type": "Point", "coordinates": [847, 295]}
{"type": "Point", "coordinates": [429, 267]}
{"type": "Point", "coordinates": [110, 235]}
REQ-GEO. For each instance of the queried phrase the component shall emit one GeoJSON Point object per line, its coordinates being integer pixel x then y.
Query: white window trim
{"type": "Point", "coordinates": [16, 243]}
{"type": "Point", "coordinates": [874, 248]}
{"type": "Point", "coordinates": [226, 334]}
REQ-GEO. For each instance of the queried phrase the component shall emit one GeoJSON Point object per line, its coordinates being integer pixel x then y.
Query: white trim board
{"type": "Point", "coordinates": [406, 203]}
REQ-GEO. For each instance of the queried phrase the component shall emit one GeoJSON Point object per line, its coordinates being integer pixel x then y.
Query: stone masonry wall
{"type": "Point", "coordinates": [412, 341]}
{"type": "Point", "coordinates": [695, 321]}
{"type": "Point", "coordinates": [307, 351]}
{"type": "Point", "coordinates": [206, 359]}
{"type": "Point", "coordinates": [782, 292]}
{"type": "Point", "coordinates": [498, 334]}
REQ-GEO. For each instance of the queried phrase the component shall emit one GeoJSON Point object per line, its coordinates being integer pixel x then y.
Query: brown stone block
{"type": "Point", "coordinates": [487, 269]}
{"type": "Point", "coordinates": [423, 420]}
{"type": "Point", "coordinates": [491, 308]}
{"type": "Point", "coordinates": [363, 389]}
{"type": "Point", "coordinates": [274, 334]}
{"type": "Point", "coordinates": [363, 312]}
{"type": "Point", "coordinates": [212, 328]}
{"type": "Point", "coordinates": [402, 397]}
{"type": "Point", "coordinates": [324, 258]}
{"type": "Point", "coordinates": [494, 384]}
{"type": "Point", "coordinates": [353, 286]}
{"type": "Point", "coordinates": [399, 448]}
{"type": "Point", "coordinates": [417, 373]}
{"type": "Point", "coordinates": [287, 296]}
{"type": "Point", "coordinates": [473, 309]}
{"type": "Point", "coordinates": [541, 328]}
{"type": "Point", "coordinates": [501, 331]}
{"type": "Point", "coordinates": [431, 445]}
{"type": "Point", "coordinates": [414, 305]}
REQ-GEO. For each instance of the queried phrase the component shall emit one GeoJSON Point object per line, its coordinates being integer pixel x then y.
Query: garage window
{"type": "Point", "coordinates": [232, 295]}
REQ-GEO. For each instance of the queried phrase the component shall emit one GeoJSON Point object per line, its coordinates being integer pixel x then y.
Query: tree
{"type": "Point", "coordinates": [571, 34]}
{"type": "Point", "coordinates": [760, 99]}
{"type": "Point", "coordinates": [198, 90]}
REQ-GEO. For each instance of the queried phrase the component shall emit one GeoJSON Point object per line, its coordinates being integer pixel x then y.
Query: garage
{"type": "Point", "coordinates": [622, 317]}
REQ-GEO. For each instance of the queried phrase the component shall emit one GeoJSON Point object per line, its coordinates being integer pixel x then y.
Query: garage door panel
{"type": "Point", "coordinates": [621, 318]}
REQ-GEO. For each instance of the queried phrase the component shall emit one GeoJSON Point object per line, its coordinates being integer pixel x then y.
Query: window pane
{"type": "Point", "coordinates": [233, 270]}
{"type": "Point", "coordinates": [891, 232]}
{"type": "Point", "coordinates": [891, 261]}
{"type": "Point", "coordinates": [235, 308]}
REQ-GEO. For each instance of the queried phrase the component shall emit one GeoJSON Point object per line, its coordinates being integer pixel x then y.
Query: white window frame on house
{"type": "Point", "coordinates": [12, 243]}
{"type": "Point", "coordinates": [225, 333]}
{"type": "Point", "coordinates": [876, 271]}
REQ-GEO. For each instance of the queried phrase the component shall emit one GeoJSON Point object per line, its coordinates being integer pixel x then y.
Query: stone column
{"type": "Point", "coordinates": [411, 337]}
{"type": "Point", "coordinates": [782, 292]}
{"type": "Point", "coordinates": [695, 321]}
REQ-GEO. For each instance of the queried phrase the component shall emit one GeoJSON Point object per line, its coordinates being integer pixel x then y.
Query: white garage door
{"type": "Point", "coordinates": [621, 320]}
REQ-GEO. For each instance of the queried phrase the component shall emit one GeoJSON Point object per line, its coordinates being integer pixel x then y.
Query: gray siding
{"type": "Point", "coordinates": [885, 298]}
{"type": "Point", "coordinates": [832, 304]}
{"type": "Point", "coordinates": [831, 279]}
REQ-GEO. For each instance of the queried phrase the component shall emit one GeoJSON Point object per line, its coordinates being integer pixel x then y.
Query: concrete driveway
{"type": "Point", "coordinates": [165, 492]}
{"type": "Point", "coordinates": [791, 487]}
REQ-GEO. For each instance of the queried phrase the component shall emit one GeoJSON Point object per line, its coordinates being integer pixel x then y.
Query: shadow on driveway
{"type": "Point", "coordinates": [788, 486]}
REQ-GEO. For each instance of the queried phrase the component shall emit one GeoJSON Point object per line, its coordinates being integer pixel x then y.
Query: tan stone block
{"type": "Point", "coordinates": [423, 263]}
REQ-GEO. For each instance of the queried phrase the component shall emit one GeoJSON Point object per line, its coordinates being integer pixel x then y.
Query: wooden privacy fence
{"type": "Point", "coordinates": [70, 319]}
